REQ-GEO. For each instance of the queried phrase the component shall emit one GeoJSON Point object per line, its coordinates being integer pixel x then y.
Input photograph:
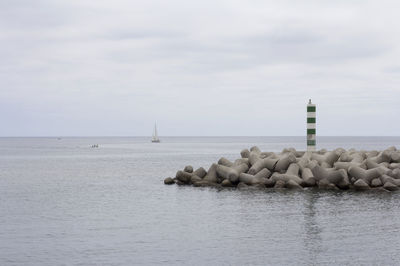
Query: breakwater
{"type": "Point", "coordinates": [338, 169]}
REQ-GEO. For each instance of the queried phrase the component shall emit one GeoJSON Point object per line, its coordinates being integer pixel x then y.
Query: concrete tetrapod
{"type": "Point", "coordinates": [396, 157]}
{"type": "Point", "coordinates": [345, 157]}
{"type": "Point", "coordinates": [308, 177]}
{"type": "Point", "coordinates": [293, 169]}
{"type": "Point", "coordinates": [304, 160]}
{"type": "Point", "coordinates": [188, 169]}
{"type": "Point", "coordinates": [386, 178]}
{"type": "Point", "coordinates": [279, 184]}
{"type": "Point", "coordinates": [366, 175]}
{"type": "Point", "coordinates": [327, 159]}
{"type": "Point", "coordinates": [284, 162]}
{"type": "Point", "coordinates": [245, 153]}
{"type": "Point", "coordinates": [394, 165]}
{"type": "Point", "coordinates": [248, 179]}
{"type": "Point", "coordinates": [395, 173]}
{"type": "Point", "coordinates": [241, 160]}
{"type": "Point", "coordinates": [184, 177]}
{"type": "Point", "coordinates": [226, 183]}
{"type": "Point", "coordinates": [292, 185]}
{"type": "Point", "coordinates": [266, 154]}
{"type": "Point", "coordinates": [384, 156]}
{"type": "Point", "coordinates": [332, 176]}
{"type": "Point", "coordinates": [347, 165]}
{"type": "Point", "coordinates": [262, 163]}
{"type": "Point", "coordinates": [383, 166]}
{"type": "Point", "coordinates": [260, 178]}
{"type": "Point", "coordinates": [358, 157]}
{"type": "Point", "coordinates": [169, 181]}
{"type": "Point", "coordinates": [360, 184]}
{"type": "Point", "coordinates": [231, 173]}
{"type": "Point", "coordinates": [211, 174]}
{"type": "Point", "coordinates": [337, 169]}
{"type": "Point", "coordinates": [376, 182]}
{"type": "Point", "coordinates": [224, 161]}
{"type": "Point", "coordinates": [255, 149]}
{"type": "Point", "coordinates": [195, 179]}
{"type": "Point", "coordinates": [325, 184]}
{"type": "Point", "coordinates": [253, 158]}
{"type": "Point", "coordinates": [200, 172]}
{"type": "Point", "coordinates": [345, 182]}
{"type": "Point", "coordinates": [286, 177]}
{"type": "Point", "coordinates": [390, 186]}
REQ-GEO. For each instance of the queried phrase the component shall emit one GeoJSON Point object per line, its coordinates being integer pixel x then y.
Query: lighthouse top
{"type": "Point", "coordinates": [311, 126]}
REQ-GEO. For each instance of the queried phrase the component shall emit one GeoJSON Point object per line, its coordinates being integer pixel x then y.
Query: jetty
{"type": "Point", "coordinates": [338, 169]}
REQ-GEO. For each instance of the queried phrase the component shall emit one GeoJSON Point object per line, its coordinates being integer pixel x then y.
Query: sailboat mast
{"type": "Point", "coordinates": [155, 135]}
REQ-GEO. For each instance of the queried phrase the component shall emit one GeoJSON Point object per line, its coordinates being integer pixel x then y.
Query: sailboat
{"type": "Point", "coordinates": [155, 136]}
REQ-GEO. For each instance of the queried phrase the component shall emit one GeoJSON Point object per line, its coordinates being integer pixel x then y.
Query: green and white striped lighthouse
{"type": "Point", "coordinates": [311, 130]}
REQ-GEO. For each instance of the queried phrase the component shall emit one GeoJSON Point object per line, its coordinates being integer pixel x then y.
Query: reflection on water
{"type": "Point", "coordinates": [312, 238]}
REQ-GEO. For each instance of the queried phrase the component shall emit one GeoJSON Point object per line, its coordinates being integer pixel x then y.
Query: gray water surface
{"type": "Point", "coordinates": [64, 203]}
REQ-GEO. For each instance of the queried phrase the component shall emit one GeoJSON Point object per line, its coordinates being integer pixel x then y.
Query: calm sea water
{"type": "Point", "coordinates": [64, 203]}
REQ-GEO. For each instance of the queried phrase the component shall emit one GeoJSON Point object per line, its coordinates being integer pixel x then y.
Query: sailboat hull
{"type": "Point", "coordinates": [155, 140]}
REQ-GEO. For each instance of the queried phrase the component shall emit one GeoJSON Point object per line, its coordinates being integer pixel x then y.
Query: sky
{"type": "Point", "coordinates": [199, 68]}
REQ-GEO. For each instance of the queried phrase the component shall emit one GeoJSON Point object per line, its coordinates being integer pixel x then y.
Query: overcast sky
{"type": "Point", "coordinates": [198, 68]}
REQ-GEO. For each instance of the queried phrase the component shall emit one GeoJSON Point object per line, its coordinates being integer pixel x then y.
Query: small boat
{"type": "Point", "coordinates": [155, 138]}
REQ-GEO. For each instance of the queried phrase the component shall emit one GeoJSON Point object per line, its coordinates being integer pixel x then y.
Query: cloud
{"type": "Point", "coordinates": [392, 69]}
{"type": "Point", "coordinates": [221, 66]}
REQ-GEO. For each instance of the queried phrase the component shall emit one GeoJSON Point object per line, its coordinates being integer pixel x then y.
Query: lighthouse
{"type": "Point", "coordinates": [311, 130]}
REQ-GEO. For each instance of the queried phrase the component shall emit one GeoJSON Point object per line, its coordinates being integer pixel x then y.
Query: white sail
{"type": "Point", "coordinates": [155, 135]}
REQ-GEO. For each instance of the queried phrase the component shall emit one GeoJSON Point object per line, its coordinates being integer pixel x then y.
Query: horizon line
{"type": "Point", "coordinates": [186, 136]}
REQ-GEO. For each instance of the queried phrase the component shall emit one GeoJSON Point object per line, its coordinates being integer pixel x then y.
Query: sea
{"type": "Point", "coordinates": [65, 203]}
